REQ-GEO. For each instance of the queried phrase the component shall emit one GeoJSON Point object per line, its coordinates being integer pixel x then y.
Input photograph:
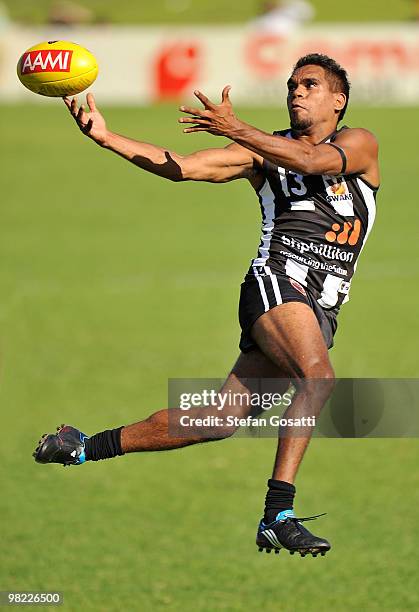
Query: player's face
{"type": "Point", "coordinates": [310, 99]}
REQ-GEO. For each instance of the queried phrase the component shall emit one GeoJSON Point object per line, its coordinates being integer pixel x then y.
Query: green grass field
{"type": "Point", "coordinates": [112, 281]}
{"type": "Point", "coordinates": [209, 11]}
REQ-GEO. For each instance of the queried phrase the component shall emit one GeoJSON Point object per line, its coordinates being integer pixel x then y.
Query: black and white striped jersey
{"type": "Point", "coordinates": [313, 228]}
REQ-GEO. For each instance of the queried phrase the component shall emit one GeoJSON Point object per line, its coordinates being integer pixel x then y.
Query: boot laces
{"type": "Point", "coordinates": [301, 519]}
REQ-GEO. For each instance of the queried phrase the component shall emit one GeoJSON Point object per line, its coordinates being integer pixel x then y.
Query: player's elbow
{"type": "Point", "coordinates": [174, 167]}
{"type": "Point", "coordinates": [177, 178]}
{"type": "Point", "coordinates": [187, 170]}
{"type": "Point", "coordinates": [177, 175]}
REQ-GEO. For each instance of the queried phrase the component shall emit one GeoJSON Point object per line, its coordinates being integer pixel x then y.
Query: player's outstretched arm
{"type": "Point", "coordinates": [356, 151]}
{"type": "Point", "coordinates": [212, 165]}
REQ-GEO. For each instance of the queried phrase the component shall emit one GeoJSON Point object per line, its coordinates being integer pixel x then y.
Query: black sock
{"type": "Point", "coordinates": [104, 445]}
{"type": "Point", "coordinates": [280, 496]}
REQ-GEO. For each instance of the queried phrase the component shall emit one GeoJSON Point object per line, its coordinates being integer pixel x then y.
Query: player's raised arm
{"type": "Point", "coordinates": [315, 108]}
{"type": "Point", "coordinates": [212, 165]}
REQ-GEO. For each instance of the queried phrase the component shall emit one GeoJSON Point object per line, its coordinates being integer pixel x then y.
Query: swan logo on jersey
{"type": "Point", "coordinates": [336, 189]}
{"type": "Point", "coordinates": [54, 60]}
{"type": "Point", "coordinates": [349, 234]}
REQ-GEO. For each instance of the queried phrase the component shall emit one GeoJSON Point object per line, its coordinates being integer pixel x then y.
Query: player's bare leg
{"type": "Point", "coordinates": [153, 434]}
{"type": "Point", "coordinates": [71, 447]}
{"type": "Point", "coordinates": [302, 357]}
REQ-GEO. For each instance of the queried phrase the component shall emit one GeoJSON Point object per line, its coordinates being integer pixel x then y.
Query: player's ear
{"type": "Point", "coordinates": [340, 101]}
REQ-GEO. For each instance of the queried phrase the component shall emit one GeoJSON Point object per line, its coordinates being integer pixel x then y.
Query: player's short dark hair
{"type": "Point", "coordinates": [337, 76]}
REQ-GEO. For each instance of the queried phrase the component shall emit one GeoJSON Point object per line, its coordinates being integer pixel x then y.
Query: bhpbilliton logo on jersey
{"type": "Point", "coordinates": [54, 60]}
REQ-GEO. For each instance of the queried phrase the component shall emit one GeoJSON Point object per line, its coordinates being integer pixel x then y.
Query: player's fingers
{"type": "Point", "coordinates": [205, 101]}
{"type": "Point", "coordinates": [86, 129]}
{"type": "Point", "coordinates": [224, 95]}
{"type": "Point", "coordinates": [192, 111]}
{"type": "Point", "coordinates": [196, 120]}
{"type": "Point", "coordinates": [189, 130]}
{"type": "Point", "coordinates": [67, 102]}
{"type": "Point", "coordinates": [80, 114]}
{"type": "Point", "coordinates": [73, 107]}
{"type": "Point", "coordinates": [91, 102]}
{"type": "Point", "coordinates": [82, 119]}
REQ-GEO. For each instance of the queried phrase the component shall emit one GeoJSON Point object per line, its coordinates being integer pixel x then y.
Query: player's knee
{"type": "Point", "coordinates": [225, 427]}
{"type": "Point", "coordinates": [221, 433]}
{"type": "Point", "coordinates": [317, 377]}
{"type": "Point", "coordinates": [318, 368]}
{"type": "Point", "coordinates": [227, 420]}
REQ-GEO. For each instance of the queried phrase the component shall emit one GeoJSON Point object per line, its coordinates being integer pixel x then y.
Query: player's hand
{"type": "Point", "coordinates": [217, 119]}
{"type": "Point", "coordinates": [90, 123]}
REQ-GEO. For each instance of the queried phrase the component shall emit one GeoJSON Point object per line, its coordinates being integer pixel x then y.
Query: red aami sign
{"type": "Point", "coordinates": [54, 60]}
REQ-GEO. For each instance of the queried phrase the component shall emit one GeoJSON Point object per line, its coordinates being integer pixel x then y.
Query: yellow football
{"type": "Point", "coordinates": [57, 68]}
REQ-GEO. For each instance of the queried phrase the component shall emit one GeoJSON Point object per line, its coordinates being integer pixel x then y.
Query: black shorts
{"type": "Point", "coordinates": [261, 293]}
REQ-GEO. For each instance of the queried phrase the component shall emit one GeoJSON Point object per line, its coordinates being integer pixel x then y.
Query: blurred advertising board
{"type": "Point", "coordinates": [143, 65]}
